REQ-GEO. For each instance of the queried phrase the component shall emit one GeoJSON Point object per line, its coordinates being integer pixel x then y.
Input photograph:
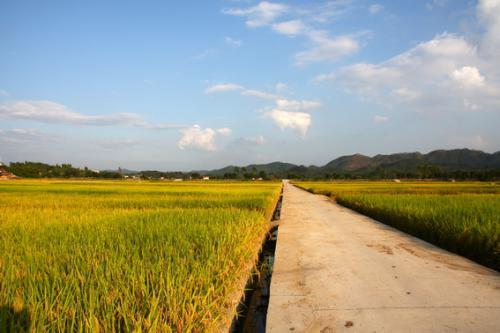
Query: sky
{"type": "Point", "coordinates": [189, 85]}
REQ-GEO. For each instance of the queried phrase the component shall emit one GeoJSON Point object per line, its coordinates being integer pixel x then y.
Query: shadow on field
{"type": "Point", "coordinates": [14, 321]}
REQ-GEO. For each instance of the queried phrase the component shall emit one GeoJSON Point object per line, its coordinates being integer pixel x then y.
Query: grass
{"type": "Point", "coordinates": [461, 217]}
{"type": "Point", "coordinates": [102, 256]}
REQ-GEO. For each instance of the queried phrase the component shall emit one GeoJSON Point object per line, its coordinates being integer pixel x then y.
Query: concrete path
{"type": "Point", "coordinates": [337, 270]}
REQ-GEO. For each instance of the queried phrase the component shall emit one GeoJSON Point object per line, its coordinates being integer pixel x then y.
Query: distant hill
{"type": "Point", "coordinates": [438, 163]}
{"type": "Point", "coordinates": [442, 164]}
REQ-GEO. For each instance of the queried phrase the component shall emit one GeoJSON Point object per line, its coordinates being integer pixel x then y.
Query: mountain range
{"type": "Point", "coordinates": [400, 164]}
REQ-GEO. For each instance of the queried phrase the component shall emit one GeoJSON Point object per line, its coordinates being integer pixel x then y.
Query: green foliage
{"type": "Point", "coordinates": [42, 170]}
{"type": "Point", "coordinates": [460, 217]}
{"type": "Point", "coordinates": [103, 256]}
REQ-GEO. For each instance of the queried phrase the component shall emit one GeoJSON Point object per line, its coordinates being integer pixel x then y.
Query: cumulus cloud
{"type": "Point", "coordinates": [286, 113]}
{"type": "Point", "coordinates": [259, 15]}
{"type": "Point", "coordinates": [197, 138]}
{"type": "Point", "coordinates": [298, 121]}
{"type": "Point", "coordinates": [468, 77]}
{"type": "Point", "coordinates": [431, 75]}
{"type": "Point", "coordinates": [292, 114]}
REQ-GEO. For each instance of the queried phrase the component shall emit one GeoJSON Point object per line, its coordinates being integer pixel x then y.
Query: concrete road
{"type": "Point", "coordinates": [337, 271]}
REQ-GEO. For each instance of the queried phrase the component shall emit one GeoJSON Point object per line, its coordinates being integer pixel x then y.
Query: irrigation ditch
{"type": "Point", "coordinates": [252, 308]}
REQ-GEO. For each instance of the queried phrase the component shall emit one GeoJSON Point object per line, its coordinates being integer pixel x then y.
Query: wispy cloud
{"type": "Point", "coordinates": [222, 87]}
{"type": "Point", "coordinates": [52, 112]}
{"type": "Point", "coordinates": [23, 135]}
{"type": "Point", "coordinates": [259, 15]}
{"type": "Point", "coordinates": [375, 8]}
{"type": "Point", "coordinates": [226, 87]}
{"type": "Point", "coordinates": [4, 93]}
{"type": "Point", "coordinates": [233, 42]}
{"type": "Point", "coordinates": [323, 46]}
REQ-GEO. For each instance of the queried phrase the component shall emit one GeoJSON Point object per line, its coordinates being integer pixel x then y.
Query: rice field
{"type": "Point", "coordinates": [462, 217]}
{"type": "Point", "coordinates": [104, 256]}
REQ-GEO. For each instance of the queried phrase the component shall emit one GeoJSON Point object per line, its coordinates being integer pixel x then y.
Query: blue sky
{"type": "Point", "coordinates": [182, 85]}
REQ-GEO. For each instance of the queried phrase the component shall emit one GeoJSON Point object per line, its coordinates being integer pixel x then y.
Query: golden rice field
{"type": "Point", "coordinates": [462, 217]}
{"type": "Point", "coordinates": [103, 256]}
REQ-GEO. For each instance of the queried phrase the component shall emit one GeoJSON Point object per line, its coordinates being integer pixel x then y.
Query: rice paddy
{"type": "Point", "coordinates": [103, 256]}
{"type": "Point", "coordinates": [462, 217]}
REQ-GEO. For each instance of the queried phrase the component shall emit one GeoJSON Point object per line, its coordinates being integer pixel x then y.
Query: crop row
{"type": "Point", "coordinates": [108, 256]}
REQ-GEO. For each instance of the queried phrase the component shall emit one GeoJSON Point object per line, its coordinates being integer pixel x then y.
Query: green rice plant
{"type": "Point", "coordinates": [104, 256]}
{"type": "Point", "coordinates": [461, 217]}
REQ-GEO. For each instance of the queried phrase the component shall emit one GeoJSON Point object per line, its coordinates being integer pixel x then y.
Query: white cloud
{"type": "Point", "coordinates": [224, 131]}
{"type": "Point", "coordinates": [405, 94]}
{"type": "Point", "coordinates": [290, 28]}
{"type": "Point", "coordinates": [323, 46]}
{"type": "Point", "coordinates": [375, 8]}
{"type": "Point", "coordinates": [48, 111]}
{"type": "Point", "coordinates": [285, 113]}
{"type": "Point", "coordinates": [197, 138]}
{"type": "Point", "coordinates": [223, 87]}
{"type": "Point", "coordinates": [326, 48]}
{"type": "Point", "coordinates": [380, 119]}
{"type": "Point", "coordinates": [52, 112]}
{"type": "Point", "coordinates": [428, 76]}
{"type": "Point", "coordinates": [257, 140]}
{"type": "Point", "coordinates": [323, 77]}
{"type": "Point", "coordinates": [4, 93]}
{"type": "Point", "coordinates": [488, 12]}
{"type": "Point", "coordinates": [299, 121]}
{"type": "Point", "coordinates": [468, 77]}
{"type": "Point", "coordinates": [259, 15]}
{"type": "Point", "coordinates": [233, 42]}
{"type": "Point", "coordinates": [226, 87]}
{"type": "Point", "coordinates": [292, 105]}
{"type": "Point", "coordinates": [258, 94]}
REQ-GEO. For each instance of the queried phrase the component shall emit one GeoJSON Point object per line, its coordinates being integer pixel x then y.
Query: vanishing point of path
{"type": "Point", "coordinates": [339, 271]}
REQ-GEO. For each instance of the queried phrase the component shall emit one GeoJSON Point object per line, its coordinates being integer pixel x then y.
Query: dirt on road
{"type": "Point", "coordinates": [336, 270]}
